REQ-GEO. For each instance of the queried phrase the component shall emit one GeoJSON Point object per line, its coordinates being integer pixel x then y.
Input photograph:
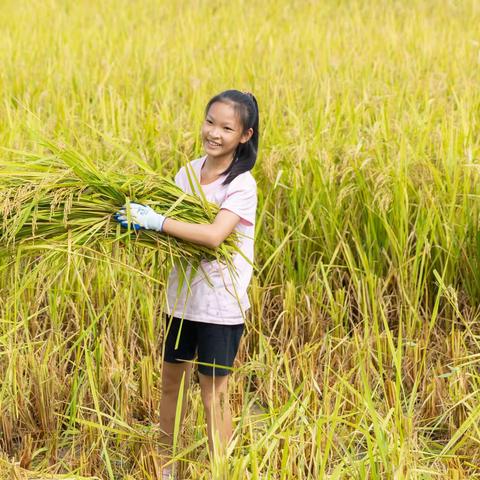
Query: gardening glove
{"type": "Point", "coordinates": [141, 216]}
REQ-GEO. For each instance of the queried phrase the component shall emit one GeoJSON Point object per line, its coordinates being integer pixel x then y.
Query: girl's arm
{"type": "Point", "coordinates": [209, 235]}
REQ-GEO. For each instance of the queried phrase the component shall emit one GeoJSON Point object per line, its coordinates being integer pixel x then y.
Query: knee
{"type": "Point", "coordinates": [172, 378]}
{"type": "Point", "coordinates": [207, 398]}
{"type": "Point", "coordinates": [170, 388]}
{"type": "Point", "coordinates": [213, 391]}
{"type": "Point", "coordinates": [219, 399]}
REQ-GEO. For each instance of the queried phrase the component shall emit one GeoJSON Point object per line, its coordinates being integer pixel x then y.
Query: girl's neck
{"type": "Point", "coordinates": [215, 166]}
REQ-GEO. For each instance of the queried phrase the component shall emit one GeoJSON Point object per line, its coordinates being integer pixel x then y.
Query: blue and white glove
{"type": "Point", "coordinates": [141, 216]}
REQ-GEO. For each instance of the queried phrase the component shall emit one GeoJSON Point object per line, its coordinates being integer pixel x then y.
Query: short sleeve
{"type": "Point", "coordinates": [182, 179]}
{"type": "Point", "coordinates": [179, 178]}
{"type": "Point", "coordinates": [241, 198]}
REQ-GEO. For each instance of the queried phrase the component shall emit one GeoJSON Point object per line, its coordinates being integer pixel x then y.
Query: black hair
{"type": "Point", "coordinates": [245, 105]}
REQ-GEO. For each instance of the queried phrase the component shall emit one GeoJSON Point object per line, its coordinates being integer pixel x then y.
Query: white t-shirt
{"type": "Point", "coordinates": [215, 295]}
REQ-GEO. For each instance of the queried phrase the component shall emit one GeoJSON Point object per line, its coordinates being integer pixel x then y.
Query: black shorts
{"type": "Point", "coordinates": [217, 345]}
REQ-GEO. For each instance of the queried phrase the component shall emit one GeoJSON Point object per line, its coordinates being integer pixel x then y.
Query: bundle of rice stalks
{"type": "Point", "coordinates": [65, 200]}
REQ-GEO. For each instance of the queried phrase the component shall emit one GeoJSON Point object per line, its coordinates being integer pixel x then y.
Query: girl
{"type": "Point", "coordinates": [209, 319]}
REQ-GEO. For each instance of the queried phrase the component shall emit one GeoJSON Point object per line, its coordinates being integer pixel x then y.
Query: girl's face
{"type": "Point", "coordinates": [222, 131]}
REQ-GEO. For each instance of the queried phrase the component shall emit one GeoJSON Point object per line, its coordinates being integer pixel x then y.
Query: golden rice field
{"type": "Point", "coordinates": [361, 358]}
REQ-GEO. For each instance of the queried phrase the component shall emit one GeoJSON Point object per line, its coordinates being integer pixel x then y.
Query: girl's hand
{"type": "Point", "coordinates": [141, 216]}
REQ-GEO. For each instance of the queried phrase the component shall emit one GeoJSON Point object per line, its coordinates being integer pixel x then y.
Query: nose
{"type": "Point", "coordinates": [213, 132]}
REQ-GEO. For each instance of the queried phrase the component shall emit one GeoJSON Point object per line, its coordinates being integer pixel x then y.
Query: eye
{"type": "Point", "coordinates": [228, 128]}
{"type": "Point", "coordinates": [208, 121]}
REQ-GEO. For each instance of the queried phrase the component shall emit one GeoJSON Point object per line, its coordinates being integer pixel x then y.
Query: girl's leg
{"type": "Point", "coordinates": [171, 378]}
{"type": "Point", "coordinates": [217, 410]}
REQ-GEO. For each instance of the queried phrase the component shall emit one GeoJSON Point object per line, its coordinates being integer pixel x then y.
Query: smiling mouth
{"type": "Point", "coordinates": [213, 144]}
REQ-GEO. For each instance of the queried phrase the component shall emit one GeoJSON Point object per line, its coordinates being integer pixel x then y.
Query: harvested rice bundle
{"type": "Point", "coordinates": [65, 198]}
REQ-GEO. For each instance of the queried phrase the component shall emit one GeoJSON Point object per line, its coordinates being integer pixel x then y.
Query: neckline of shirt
{"type": "Point", "coordinates": [206, 185]}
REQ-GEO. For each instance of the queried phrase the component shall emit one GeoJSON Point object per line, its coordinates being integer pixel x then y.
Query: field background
{"type": "Point", "coordinates": [362, 352]}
